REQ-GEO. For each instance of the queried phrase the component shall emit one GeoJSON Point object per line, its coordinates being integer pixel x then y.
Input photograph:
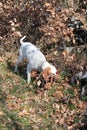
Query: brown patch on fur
{"type": "Point", "coordinates": [48, 77]}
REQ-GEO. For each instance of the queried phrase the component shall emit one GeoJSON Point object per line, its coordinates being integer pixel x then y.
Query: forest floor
{"type": "Point", "coordinates": [39, 105]}
{"type": "Point", "coordinates": [34, 107]}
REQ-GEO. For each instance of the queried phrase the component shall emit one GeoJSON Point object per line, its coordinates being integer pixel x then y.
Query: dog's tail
{"type": "Point", "coordinates": [21, 40]}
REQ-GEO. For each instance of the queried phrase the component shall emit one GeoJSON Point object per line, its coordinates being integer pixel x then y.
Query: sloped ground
{"type": "Point", "coordinates": [24, 107]}
{"type": "Point", "coordinates": [38, 106]}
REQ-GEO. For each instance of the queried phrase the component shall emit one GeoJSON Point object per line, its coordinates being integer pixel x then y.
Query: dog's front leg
{"type": "Point", "coordinates": [28, 77]}
{"type": "Point", "coordinates": [28, 73]}
{"type": "Point", "coordinates": [20, 58]}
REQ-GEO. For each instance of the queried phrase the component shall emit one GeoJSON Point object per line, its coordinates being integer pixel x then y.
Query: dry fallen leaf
{"type": "Point", "coordinates": [1, 113]}
{"type": "Point", "coordinates": [38, 83]}
{"type": "Point", "coordinates": [23, 113]}
{"type": "Point", "coordinates": [34, 74]}
{"type": "Point", "coordinates": [47, 85]}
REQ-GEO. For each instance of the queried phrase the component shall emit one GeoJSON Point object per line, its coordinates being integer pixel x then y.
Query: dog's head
{"type": "Point", "coordinates": [52, 68]}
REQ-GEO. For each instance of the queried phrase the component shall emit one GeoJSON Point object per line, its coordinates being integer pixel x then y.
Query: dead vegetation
{"type": "Point", "coordinates": [48, 102]}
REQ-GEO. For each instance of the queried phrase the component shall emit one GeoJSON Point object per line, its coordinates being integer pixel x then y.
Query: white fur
{"type": "Point", "coordinates": [46, 65]}
{"type": "Point", "coordinates": [35, 57]}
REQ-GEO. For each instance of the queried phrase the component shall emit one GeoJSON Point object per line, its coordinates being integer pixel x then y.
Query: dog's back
{"type": "Point", "coordinates": [26, 47]}
{"type": "Point", "coordinates": [36, 59]}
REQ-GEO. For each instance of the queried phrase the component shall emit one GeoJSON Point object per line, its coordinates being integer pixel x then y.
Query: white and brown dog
{"type": "Point", "coordinates": [36, 59]}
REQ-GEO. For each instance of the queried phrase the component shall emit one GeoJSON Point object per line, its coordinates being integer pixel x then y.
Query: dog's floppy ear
{"type": "Point", "coordinates": [46, 72]}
